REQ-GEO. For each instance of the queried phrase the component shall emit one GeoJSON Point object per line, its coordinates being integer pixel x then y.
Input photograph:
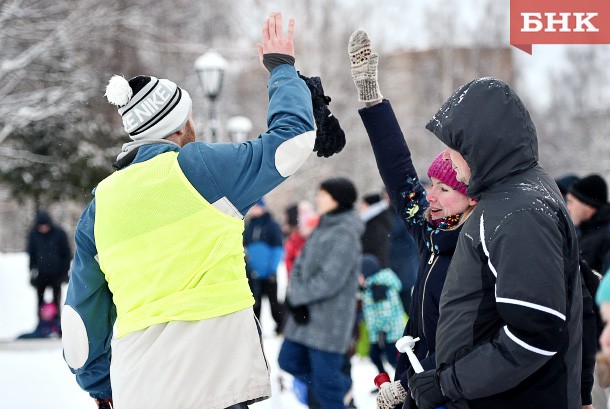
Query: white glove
{"type": "Point", "coordinates": [364, 66]}
{"type": "Point", "coordinates": [390, 395]}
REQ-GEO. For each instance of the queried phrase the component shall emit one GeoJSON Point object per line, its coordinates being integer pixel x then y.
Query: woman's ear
{"type": "Point", "coordinates": [472, 202]}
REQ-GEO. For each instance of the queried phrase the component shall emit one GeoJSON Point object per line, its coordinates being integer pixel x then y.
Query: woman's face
{"type": "Point", "coordinates": [604, 339]}
{"type": "Point", "coordinates": [444, 201]}
{"type": "Point", "coordinates": [325, 202]}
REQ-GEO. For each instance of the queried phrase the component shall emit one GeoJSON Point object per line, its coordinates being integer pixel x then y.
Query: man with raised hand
{"type": "Point", "coordinates": [159, 312]}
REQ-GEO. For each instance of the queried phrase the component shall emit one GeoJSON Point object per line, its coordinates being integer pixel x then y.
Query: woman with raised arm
{"type": "Point", "coordinates": [433, 218]}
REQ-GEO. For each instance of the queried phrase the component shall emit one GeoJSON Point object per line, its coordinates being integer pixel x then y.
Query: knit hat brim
{"type": "Point", "coordinates": [591, 190]}
{"type": "Point", "coordinates": [442, 170]}
{"type": "Point", "coordinates": [342, 191]}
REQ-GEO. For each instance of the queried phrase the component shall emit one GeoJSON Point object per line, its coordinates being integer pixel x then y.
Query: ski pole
{"type": "Point", "coordinates": [405, 345]}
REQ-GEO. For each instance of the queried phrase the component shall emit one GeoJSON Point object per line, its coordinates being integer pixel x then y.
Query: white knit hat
{"type": "Point", "coordinates": [151, 108]}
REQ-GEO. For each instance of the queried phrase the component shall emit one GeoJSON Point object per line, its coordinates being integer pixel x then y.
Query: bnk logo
{"type": "Point", "coordinates": [565, 22]}
{"type": "Point", "coordinates": [559, 22]}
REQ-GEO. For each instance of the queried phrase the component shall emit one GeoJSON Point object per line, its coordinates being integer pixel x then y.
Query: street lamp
{"type": "Point", "coordinates": [210, 68]}
{"type": "Point", "coordinates": [239, 128]}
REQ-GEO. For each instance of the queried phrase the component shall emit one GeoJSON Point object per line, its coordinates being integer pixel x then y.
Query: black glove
{"type": "Point", "coordinates": [426, 389]}
{"type": "Point", "coordinates": [330, 138]}
{"type": "Point", "coordinates": [104, 403]}
{"type": "Point", "coordinates": [299, 313]}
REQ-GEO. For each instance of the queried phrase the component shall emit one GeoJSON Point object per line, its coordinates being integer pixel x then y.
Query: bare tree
{"type": "Point", "coordinates": [574, 128]}
{"type": "Point", "coordinates": [43, 70]}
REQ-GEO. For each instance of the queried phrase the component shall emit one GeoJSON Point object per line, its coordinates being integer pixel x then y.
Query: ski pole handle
{"type": "Point", "coordinates": [405, 345]}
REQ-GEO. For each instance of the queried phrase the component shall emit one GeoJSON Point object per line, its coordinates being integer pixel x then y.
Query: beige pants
{"type": "Point", "coordinates": [209, 364]}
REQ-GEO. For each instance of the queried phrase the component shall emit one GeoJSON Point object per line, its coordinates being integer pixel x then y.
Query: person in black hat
{"type": "Point", "coordinates": [587, 201]}
{"type": "Point", "coordinates": [321, 298]}
{"type": "Point", "coordinates": [50, 258]}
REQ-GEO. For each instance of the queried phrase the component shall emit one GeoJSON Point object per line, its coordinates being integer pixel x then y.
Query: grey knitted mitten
{"type": "Point", "coordinates": [364, 66]}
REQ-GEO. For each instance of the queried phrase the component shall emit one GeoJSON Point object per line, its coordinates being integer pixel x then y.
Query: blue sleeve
{"type": "Point", "coordinates": [396, 169]}
{"type": "Point", "coordinates": [277, 253]}
{"type": "Point", "coordinates": [88, 295]}
{"type": "Point", "coordinates": [276, 240]}
{"type": "Point", "coordinates": [244, 172]}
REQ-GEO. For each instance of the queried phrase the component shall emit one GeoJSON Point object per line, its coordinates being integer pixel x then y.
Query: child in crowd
{"type": "Point", "coordinates": [383, 311]}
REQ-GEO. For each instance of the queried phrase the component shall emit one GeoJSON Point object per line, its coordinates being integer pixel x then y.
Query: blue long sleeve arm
{"type": "Point", "coordinates": [89, 301]}
{"type": "Point", "coordinates": [244, 172]}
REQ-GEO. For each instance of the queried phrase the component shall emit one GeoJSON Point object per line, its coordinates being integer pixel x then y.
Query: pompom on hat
{"type": "Point", "coordinates": [591, 190]}
{"type": "Point", "coordinates": [151, 108]}
{"type": "Point", "coordinates": [442, 170]}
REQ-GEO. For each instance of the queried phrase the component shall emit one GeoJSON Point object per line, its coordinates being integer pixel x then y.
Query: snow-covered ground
{"type": "Point", "coordinates": [33, 374]}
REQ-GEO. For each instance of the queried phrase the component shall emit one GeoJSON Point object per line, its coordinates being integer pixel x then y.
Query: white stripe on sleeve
{"type": "Point", "coordinates": [531, 305]}
{"type": "Point", "coordinates": [482, 234]}
{"type": "Point", "coordinates": [527, 346]}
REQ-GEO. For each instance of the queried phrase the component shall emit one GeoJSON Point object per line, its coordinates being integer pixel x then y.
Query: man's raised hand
{"type": "Point", "coordinates": [274, 41]}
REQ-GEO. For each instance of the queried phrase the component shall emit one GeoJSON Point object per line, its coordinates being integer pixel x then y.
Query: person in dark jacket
{"type": "Point", "coordinates": [433, 219]}
{"type": "Point", "coordinates": [263, 242]}
{"type": "Point", "coordinates": [50, 257]}
{"type": "Point", "coordinates": [588, 206]}
{"type": "Point", "coordinates": [592, 323]}
{"type": "Point", "coordinates": [377, 217]}
{"type": "Point", "coordinates": [510, 327]}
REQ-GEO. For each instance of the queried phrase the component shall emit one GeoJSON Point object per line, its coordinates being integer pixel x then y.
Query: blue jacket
{"type": "Point", "coordinates": [231, 176]}
{"type": "Point", "coordinates": [435, 246]}
{"type": "Point", "coordinates": [264, 247]}
{"type": "Point", "coordinates": [385, 313]}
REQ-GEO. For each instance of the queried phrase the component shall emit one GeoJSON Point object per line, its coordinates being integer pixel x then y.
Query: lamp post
{"type": "Point", "coordinates": [210, 68]}
{"type": "Point", "coordinates": [239, 128]}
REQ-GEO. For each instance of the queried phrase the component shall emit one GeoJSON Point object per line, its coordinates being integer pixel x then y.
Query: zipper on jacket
{"type": "Point", "coordinates": [432, 263]}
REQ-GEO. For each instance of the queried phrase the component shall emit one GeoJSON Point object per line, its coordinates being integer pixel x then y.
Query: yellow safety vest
{"type": "Point", "coordinates": [167, 254]}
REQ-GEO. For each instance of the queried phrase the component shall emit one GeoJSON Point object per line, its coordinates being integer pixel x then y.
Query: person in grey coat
{"type": "Point", "coordinates": [321, 297]}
